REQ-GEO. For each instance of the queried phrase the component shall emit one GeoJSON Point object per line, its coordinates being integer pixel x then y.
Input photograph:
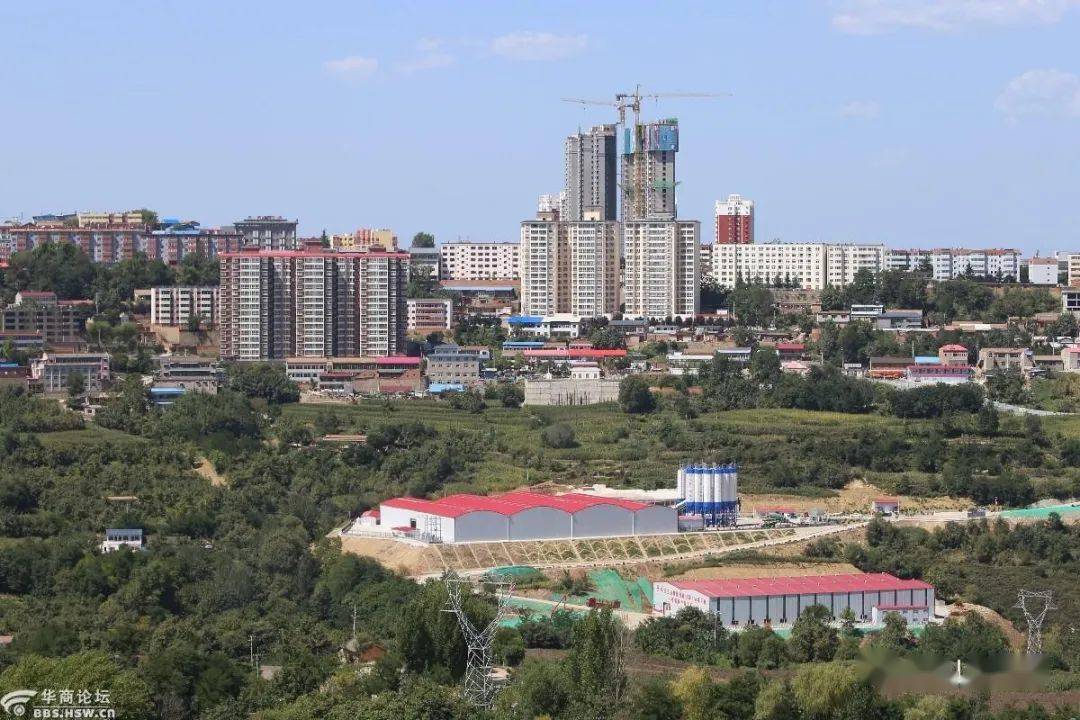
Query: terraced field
{"type": "Point", "coordinates": [598, 552]}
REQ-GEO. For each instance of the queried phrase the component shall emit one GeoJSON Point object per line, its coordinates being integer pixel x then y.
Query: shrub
{"type": "Point", "coordinates": [558, 436]}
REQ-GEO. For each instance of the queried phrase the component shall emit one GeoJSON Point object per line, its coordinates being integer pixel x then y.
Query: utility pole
{"type": "Point", "coordinates": [251, 651]}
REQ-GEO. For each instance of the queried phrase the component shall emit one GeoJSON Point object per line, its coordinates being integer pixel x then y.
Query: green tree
{"type": "Point", "coordinates": [558, 436]}
{"type": "Point", "coordinates": [267, 381]}
{"type": "Point", "coordinates": [830, 690]}
{"type": "Point", "coordinates": [813, 639]}
{"type": "Point", "coordinates": [776, 701]}
{"type": "Point", "coordinates": [76, 385]}
{"type": "Point", "coordinates": [752, 305]}
{"type": "Point", "coordinates": [423, 240]}
{"type": "Point", "coordinates": [653, 700]}
{"type": "Point", "coordinates": [635, 396]}
{"type": "Point", "coordinates": [595, 664]}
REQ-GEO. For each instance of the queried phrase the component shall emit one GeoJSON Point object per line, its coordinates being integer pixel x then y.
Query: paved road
{"type": "Point", "coordinates": [1021, 410]}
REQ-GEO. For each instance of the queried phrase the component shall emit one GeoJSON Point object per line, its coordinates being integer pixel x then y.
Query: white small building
{"type": "Point", "coordinates": [885, 506]}
{"type": "Point", "coordinates": [116, 538]}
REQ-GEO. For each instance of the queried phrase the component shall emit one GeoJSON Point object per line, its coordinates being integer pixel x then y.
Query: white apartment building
{"type": "Point", "coordinates": [312, 302]}
{"type": "Point", "coordinates": [808, 265]}
{"type": "Point", "coordinates": [1043, 271]}
{"type": "Point", "coordinates": [177, 305]}
{"type": "Point", "coordinates": [951, 263]}
{"type": "Point", "coordinates": [661, 270]}
{"type": "Point", "coordinates": [429, 313]}
{"type": "Point", "coordinates": [594, 268]}
{"type": "Point", "coordinates": [479, 261]}
{"type": "Point", "coordinates": [1073, 269]}
{"type": "Point", "coordinates": [569, 267]}
{"type": "Point", "coordinates": [843, 261]}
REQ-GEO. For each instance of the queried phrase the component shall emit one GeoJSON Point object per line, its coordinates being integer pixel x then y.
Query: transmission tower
{"type": "Point", "coordinates": [480, 686]}
{"type": "Point", "coordinates": [1035, 605]}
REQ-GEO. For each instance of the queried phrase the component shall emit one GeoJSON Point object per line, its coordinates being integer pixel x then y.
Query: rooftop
{"type": "Point", "coordinates": [508, 504]}
{"type": "Point", "coordinates": [808, 585]}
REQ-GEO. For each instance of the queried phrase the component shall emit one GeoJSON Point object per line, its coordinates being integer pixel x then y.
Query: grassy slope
{"type": "Point", "coordinates": [753, 437]}
{"type": "Point", "coordinates": [90, 435]}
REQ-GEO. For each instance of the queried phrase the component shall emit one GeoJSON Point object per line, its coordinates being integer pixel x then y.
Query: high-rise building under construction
{"type": "Point", "coordinates": [591, 175]}
{"type": "Point", "coordinates": [648, 172]}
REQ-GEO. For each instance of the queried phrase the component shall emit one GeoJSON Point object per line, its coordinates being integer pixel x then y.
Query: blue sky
{"type": "Point", "coordinates": [909, 122]}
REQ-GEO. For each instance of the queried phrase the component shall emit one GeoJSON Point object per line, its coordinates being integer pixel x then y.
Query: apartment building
{"type": "Point", "coordinates": [268, 232]}
{"type": "Point", "coordinates": [590, 166]}
{"type": "Point", "coordinates": [55, 321]}
{"type": "Point", "coordinates": [1042, 271]}
{"type": "Point", "coordinates": [172, 243]}
{"type": "Point", "coordinates": [177, 305]}
{"type": "Point", "coordinates": [429, 313]}
{"type": "Point", "coordinates": [479, 261]}
{"type": "Point", "coordinates": [648, 171]}
{"type": "Point", "coordinates": [132, 218]}
{"type": "Point", "coordinates": [951, 263]}
{"type": "Point", "coordinates": [807, 265]}
{"type": "Point", "coordinates": [661, 268]}
{"type": "Point", "coordinates": [569, 267]}
{"type": "Point", "coordinates": [1073, 269]}
{"type": "Point", "coordinates": [365, 239]}
{"type": "Point", "coordinates": [312, 302]}
{"type": "Point", "coordinates": [113, 244]}
{"type": "Point", "coordinates": [734, 221]}
{"type": "Point", "coordinates": [842, 262]}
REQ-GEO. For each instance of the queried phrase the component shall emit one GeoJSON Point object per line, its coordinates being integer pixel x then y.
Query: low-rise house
{"type": "Point", "coordinates": [889, 367]}
{"type": "Point", "coordinates": [189, 373]}
{"type": "Point", "coordinates": [938, 373]}
{"type": "Point", "coordinates": [1070, 358]}
{"type": "Point", "coordinates": [117, 538]}
{"type": "Point", "coordinates": [992, 360]}
{"type": "Point", "coordinates": [52, 370]}
{"type": "Point", "coordinates": [791, 350]}
{"type": "Point", "coordinates": [899, 319]}
{"type": "Point", "coordinates": [885, 505]}
{"type": "Point", "coordinates": [953, 354]}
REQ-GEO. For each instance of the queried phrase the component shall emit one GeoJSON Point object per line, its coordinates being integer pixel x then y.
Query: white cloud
{"type": "Point", "coordinates": [871, 17]}
{"type": "Point", "coordinates": [861, 109]}
{"type": "Point", "coordinates": [538, 45]}
{"type": "Point", "coordinates": [353, 67]}
{"type": "Point", "coordinates": [1041, 92]}
{"type": "Point", "coordinates": [430, 55]}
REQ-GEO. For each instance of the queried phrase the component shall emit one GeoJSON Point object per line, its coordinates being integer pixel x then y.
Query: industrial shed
{"type": "Point", "coordinates": [524, 516]}
{"type": "Point", "coordinates": [780, 600]}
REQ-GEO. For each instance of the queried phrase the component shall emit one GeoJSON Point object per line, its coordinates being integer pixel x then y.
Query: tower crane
{"type": "Point", "coordinates": [632, 101]}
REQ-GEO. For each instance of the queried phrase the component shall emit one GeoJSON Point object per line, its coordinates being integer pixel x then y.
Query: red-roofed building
{"type": "Point", "coordinates": [525, 516]}
{"type": "Point", "coordinates": [791, 350]}
{"type": "Point", "coordinates": [953, 354]}
{"type": "Point", "coordinates": [780, 600]}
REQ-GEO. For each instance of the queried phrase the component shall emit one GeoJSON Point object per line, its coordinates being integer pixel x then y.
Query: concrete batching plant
{"type": "Point", "coordinates": [711, 491]}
